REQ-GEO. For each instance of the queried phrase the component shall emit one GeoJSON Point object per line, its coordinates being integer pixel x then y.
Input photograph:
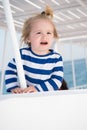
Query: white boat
{"type": "Point", "coordinates": [60, 110]}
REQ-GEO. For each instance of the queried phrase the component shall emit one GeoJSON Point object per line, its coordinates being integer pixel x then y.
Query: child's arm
{"type": "Point", "coordinates": [55, 81]}
{"type": "Point", "coordinates": [11, 78]}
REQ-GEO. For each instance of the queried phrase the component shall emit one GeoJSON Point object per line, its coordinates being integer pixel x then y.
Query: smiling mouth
{"type": "Point", "coordinates": [44, 43]}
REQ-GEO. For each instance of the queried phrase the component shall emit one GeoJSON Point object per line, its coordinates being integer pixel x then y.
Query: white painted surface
{"type": "Point", "coordinates": [11, 27]}
{"type": "Point", "coordinates": [46, 111]}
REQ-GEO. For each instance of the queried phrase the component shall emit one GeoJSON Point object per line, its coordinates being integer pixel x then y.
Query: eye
{"type": "Point", "coordinates": [49, 33]}
{"type": "Point", "coordinates": [38, 33]}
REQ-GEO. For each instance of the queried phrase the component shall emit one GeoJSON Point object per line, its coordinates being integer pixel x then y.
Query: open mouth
{"type": "Point", "coordinates": [44, 43]}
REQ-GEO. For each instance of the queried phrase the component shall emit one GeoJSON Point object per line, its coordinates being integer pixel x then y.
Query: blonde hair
{"type": "Point", "coordinates": [47, 14]}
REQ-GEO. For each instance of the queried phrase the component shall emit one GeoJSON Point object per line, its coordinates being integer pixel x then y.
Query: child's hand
{"type": "Point", "coordinates": [17, 90]}
{"type": "Point", "coordinates": [29, 89]}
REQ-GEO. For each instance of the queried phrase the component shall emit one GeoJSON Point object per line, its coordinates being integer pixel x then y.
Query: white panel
{"type": "Point", "coordinates": [49, 112]}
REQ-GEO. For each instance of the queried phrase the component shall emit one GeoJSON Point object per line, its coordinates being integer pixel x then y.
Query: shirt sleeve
{"type": "Point", "coordinates": [55, 81]}
{"type": "Point", "coordinates": [11, 78]}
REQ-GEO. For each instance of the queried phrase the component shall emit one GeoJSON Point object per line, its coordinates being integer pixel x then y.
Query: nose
{"type": "Point", "coordinates": [44, 35]}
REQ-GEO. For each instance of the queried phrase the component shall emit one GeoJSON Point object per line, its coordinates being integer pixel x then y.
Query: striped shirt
{"type": "Point", "coordinates": [44, 72]}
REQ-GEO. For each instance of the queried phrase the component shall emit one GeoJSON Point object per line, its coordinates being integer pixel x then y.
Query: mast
{"type": "Point", "coordinates": [12, 31]}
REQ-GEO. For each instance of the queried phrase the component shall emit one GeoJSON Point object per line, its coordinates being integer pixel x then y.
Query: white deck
{"type": "Point", "coordinates": [65, 110]}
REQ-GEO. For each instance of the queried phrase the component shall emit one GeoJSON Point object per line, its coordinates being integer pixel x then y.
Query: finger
{"type": "Point", "coordinates": [17, 90]}
{"type": "Point", "coordinates": [14, 91]}
{"type": "Point", "coordinates": [28, 90]}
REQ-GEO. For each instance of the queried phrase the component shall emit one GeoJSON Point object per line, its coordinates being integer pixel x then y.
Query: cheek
{"type": "Point", "coordinates": [34, 43]}
{"type": "Point", "coordinates": [51, 39]}
{"type": "Point", "coordinates": [34, 38]}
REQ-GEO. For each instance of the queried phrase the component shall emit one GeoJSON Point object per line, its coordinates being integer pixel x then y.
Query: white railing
{"type": "Point", "coordinates": [12, 31]}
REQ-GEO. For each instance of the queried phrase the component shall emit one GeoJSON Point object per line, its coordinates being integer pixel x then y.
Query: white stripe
{"type": "Point", "coordinates": [37, 76]}
{"type": "Point", "coordinates": [47, 66]}
{"type": "Point", "coordinates": [60, 63]}
{"type": "Point", "coordinates": [59, 73]}
{"type": "Point", "coordinates": [28, 53]}
{"type": "Point", "coordinates": [10, 85]}
{"type": "Point", "coordinates": [50, 88]}
{"type": "Point", "coordinates": [10, 76]}
{"type": "Point", "coordinates": [29, 83]}
{"type": "Point", "coordinates": [39, 87]}
{"type": "Point", "coordinates": [58, 82]}
{"type": "Point", "coordinates": [9, 68]}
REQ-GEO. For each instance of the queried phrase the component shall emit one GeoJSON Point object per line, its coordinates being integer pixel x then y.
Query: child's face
{"type": "Point", "coordinates": [41, 36]}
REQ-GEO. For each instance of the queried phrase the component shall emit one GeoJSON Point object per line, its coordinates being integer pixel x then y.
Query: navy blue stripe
{"type": "Point", "coordinates": [40, 61]}
{"type": "Point", "coordinates": [35, 81]}
{"type": "Point", "coordinates": [58, 69]}
{"type": "Point", "coordinates": [23, 49]}
{"type": "Point", "coordinates": [59, 59]}
{"type": "Point", "coordinates": [37, 89]}
{"type": "Point", "coordinates": [10, 72]}
{"type": "Point", "coordinates": [37, 71]}
{"type": "Point", "coordinates": [44, 87]}
{"type": "Point", "coordinates": [9, 89]}
{"type": "Point", "coordinates": [14, 59]}
{"type": "Point", "coordinates": [53, 84]}
{"type": "Point", "coordinates": [12, 65]}
{"type": "Point", "coordinates": [11, 80]}
{"type": "Point", "coordinates": [57, 77]}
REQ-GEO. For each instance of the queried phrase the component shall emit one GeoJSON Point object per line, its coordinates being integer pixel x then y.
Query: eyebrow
{"type": "Point", "coordinates": [42, 31]}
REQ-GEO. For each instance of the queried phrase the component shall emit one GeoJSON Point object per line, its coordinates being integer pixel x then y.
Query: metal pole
{"type": "Point", "coordinates": [73, 68]}
{"type": "Point", "coordinates": [85, 50]}
{"type": "Point", "coordinates": [12, 31]}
